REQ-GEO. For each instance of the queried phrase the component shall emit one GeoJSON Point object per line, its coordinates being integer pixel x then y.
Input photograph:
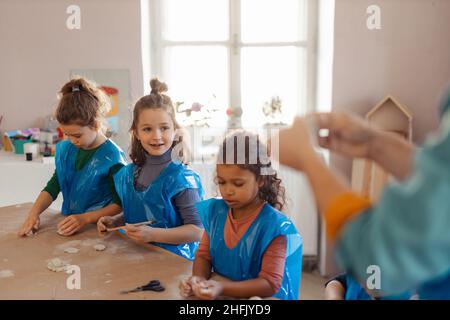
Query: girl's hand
{"type": "Point", "coordinates": [72, 224]}
{"type": "Point", "coordinates": [186, 288]}
{"type": "Point", "coordinates": [208, 289]}
{"type": "Point", "coordinates": [186, 285]}
{"type": "Point", "coordinates": [104, 223]}
{"type": "Point", "coordinates": [31, 224]}
{"type": "Point", "coordinates": [141, 234]}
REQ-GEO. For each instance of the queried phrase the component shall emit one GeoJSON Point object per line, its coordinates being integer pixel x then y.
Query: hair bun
{"type": "Point", "coordinates": [157, 86]}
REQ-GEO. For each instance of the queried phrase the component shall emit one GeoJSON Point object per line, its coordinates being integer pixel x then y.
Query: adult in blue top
{"type": "Point", "coordinates": [406, 233]}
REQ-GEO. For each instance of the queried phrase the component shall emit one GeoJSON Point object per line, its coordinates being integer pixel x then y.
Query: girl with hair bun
{"type": "Point", "coordinates": [85, 162]}
{"type": "Point", "coordinates": [158, 185]}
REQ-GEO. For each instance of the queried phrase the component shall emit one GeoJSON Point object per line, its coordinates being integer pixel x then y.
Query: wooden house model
{"type": "Point", "coordinates": [368, 178]}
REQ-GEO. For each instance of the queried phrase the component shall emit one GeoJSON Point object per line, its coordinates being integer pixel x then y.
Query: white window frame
{"type": "Point", "coordinates": [234, 45]}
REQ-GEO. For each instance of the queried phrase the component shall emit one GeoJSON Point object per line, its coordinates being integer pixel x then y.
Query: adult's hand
{"type": "Point", "coordinates": [348, 134]}
{"type": "Point", "coordinates": [351, 136]}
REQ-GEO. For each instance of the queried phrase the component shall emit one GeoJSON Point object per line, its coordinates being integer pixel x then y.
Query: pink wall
{"type": "Point", "coordinates": [408, 58]}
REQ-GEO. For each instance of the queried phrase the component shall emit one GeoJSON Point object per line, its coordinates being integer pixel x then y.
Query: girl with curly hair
{"type": "Point", "coordinates": [247, 239]}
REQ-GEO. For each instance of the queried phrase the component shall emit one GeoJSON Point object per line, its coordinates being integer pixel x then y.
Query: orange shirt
{"type": "Point", "coordinates": [341, 209]}
{"type": "Point", "coordinates": [274, 258]}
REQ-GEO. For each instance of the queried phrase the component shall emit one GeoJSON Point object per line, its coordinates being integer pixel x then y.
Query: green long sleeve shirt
{"type": "Point", "coordinates": [83, 157]}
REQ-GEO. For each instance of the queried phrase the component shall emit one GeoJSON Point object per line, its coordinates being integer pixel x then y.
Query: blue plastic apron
{"type": "Point", "coordinates": [154, 203]}
{"type": "Point", "coordinates": [356, 292]}
{"type": "Point", "coordinates": [437, 289]}
{"type": "Point", "coordinates": [87, 189]}
{"type": "Point", "coordinates": [244, 261]}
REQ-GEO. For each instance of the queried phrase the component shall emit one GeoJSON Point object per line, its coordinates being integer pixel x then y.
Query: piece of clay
{"type": "Point", "coordinates": [99, 247]}
{"type": "Point", "coordinates": [30, 233]}
{"type": "Point", "coordinates": [60, 232]}
{"type": "Point", "coordinates": [71, 250]}
{"type": "Point", "coordinates": [57, 265]}
{"type": "Point", "coordinates": [6, 273]}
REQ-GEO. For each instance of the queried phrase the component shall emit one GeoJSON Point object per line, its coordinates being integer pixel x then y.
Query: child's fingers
{"type": "Point", "coordinates": [108, 223]}
{"type": "Point", "coordinates": [101, 226]}
{"type": "Point", "coordinates": [102, 231]}
{"type": "Point", "coordinates": [133, 235]}
{"type": "Point", "coordinates": [36, 225]}
{"type": "Point", "coordinates": [186, 294]}
{"type": "Point", "coordinates": [183, 283]}
{"type": "Point", "coordinates": [70, 225]}
{"type": "Point", "coordinates": [132, 232]}
{"type": "Point", "coordinates": [196, 290]}
{"type": "Point", "coordinates": [131, 228]}
{"type": "Point", "coordinates": [71, 232]}
{"type": "Point", "coordinates": [186, 285]}
{"type": "Point", "coordinates": [197, 287]}
{"type": "Point", "coordinates": [206, 293]}
{"type": "Point", "coordinates": [61, 223]}
{"type": "Point", "coordinates": [28, 226]}
{"type": "Point", "coordinates": [71, 229]}
{"type": "Point", "coordinates": [104, 223]}
{"type": "Point", "coordinates": [24, 230]}
{"type": "Point", "coordinates": [66, 222]}
{"type": "Point", "coordinates": [194, 280]}
{"type": "Point", "coordinates": [185, 288]}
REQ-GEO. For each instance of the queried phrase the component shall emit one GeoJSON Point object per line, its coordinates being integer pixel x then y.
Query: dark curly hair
{"type": "Point", "coordinates": [247, 152]}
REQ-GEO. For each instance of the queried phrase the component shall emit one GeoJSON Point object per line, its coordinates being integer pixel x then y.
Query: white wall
{"type": "Point", "coordinates": [408, 58]}
{"type": "Point", "coordinates": [37, 52]}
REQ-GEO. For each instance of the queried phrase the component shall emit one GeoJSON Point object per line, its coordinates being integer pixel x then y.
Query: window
{"type": "Point", "coordinates": [224, 53]}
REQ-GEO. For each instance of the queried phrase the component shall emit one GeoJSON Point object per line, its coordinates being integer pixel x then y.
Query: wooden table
{"type": "Point", "coordinates": [123, 265]}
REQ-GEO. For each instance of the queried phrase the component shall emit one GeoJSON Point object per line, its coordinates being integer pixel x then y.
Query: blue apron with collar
{"type": "Point", "coordinates": [155, 202]}
{"type": "Point", "coordinates": [437, 289]}
{"type": "Point", "coordinates": [356, 292]}
{"type": "Point", "coordinates": [244, 261]}
{"type": "Point", "coordinates": [87, 189]}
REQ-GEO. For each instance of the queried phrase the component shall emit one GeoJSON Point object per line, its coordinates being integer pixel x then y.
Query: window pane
{"type": "Point", "coordinates": [273, 20]}
{"type": "Point", "coordinates": [198, 74]}
{"type": "Point", "coordinates": [195, 20]}
{"type": "Point", "coordinates": [272, 72]}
